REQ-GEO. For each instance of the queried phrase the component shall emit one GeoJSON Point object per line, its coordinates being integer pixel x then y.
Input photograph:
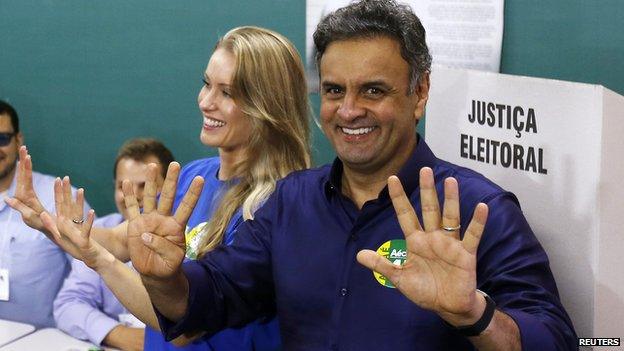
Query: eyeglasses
{"type": "Point", "coordinates": [5, 138]}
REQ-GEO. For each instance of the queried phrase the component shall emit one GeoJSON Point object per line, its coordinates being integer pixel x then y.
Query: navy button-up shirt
{"type": "Point", "coordinates": [297, 259]}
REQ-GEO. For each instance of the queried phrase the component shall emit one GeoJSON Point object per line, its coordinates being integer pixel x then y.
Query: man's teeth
{"type": "Point", "coordinates": [213, 122]}
{"type": "Point", "coordinates": [358, 131]}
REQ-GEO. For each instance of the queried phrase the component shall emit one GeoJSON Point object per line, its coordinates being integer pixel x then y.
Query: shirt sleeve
{"type": "Point", "coordinates": [232, 285]}
{"type": "Point", "coordinates": [513, 268]}
{"type": "Point", "coordinates": [78, 306]}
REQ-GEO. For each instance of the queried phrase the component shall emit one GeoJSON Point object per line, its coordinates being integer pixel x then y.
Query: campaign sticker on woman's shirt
{"type": "Point", "coordinates": [396, 252]}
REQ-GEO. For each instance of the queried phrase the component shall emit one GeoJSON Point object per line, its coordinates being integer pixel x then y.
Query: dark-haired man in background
{"type": "Point", "coordinates": [32, 268]}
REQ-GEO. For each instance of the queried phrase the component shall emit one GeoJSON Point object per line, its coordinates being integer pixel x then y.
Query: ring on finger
{"type": "Point", "coordinates": [78, 221]}
{"type": "Point", "coordinates": [451, 229]}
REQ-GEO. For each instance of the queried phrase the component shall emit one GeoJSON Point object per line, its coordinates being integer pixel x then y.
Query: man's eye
{"type": "Point", "coordinates": [373, 91]}
{"type": "Point", "coordinates": [333, 91]}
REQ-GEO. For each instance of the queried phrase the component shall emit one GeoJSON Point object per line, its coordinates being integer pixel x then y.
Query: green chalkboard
{"type": "Point", "coordinates": [87, 75]}
{"type": "Point", "coordinates": [575, 40]}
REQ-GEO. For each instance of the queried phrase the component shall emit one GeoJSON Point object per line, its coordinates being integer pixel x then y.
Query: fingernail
{"type": "Point", "coordinates": [146, 237]}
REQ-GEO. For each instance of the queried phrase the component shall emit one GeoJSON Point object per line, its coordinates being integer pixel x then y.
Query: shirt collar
{"type": "Point", "coordinates": [422, 156]}
{"type": "Point", "coordinates": [334, 181]}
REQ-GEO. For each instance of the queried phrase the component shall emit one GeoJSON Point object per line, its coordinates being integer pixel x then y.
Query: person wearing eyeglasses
{"type": "Point", "coordinates": [32, 268]}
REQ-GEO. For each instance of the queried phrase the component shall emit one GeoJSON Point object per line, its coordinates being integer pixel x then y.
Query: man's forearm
{"type": "Point", "coordinates": [501, 334]}
{"type": "Point", "coordinates": [125, 338]}
{"type": "Point", "coordinates": [169, 297]}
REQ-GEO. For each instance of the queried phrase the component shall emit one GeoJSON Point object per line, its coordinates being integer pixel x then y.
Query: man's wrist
{"type": "Point", "coordinates": [479, 318]}
{"type": "Point", "coordinates": [125, 338]}
{"type": "Point", "coordinates": [158, 282]}
{"type": "Point", "coordinates": [115, 337]}
{"type": "Point", "coordinates": [168, 295]}
{"type": "Point", "coordinates": [471, 316]}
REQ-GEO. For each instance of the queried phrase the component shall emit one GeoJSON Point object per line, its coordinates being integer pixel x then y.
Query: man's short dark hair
{"type": "Point", "coordinates": [372, 18]}
{"type": "Point", "coordinates": [6, 109]}
{"type": "Point", "coordinates": [140, 149]}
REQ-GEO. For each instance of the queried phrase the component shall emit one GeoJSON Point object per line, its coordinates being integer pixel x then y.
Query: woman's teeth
{"type": "Point", "coordinates": [213, 122]}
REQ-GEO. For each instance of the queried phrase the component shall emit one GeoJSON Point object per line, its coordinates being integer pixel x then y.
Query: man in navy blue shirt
{"type": "Point", "coordinates": [468, 275]}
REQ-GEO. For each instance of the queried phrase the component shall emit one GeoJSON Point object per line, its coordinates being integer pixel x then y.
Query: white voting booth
{"type": "Point", "coordinates": [559, 146]}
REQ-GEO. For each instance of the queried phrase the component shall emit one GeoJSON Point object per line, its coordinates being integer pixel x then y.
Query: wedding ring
{"type": "Point", "coordinates": [451, 229]}
{"type": "Point", "coordinates": [78, 221]}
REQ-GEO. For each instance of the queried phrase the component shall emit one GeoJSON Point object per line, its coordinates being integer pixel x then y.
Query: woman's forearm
{"type": "Point", "coordinates": [113, 239]}
{"type": "Point", "coordinates": [126, 284]}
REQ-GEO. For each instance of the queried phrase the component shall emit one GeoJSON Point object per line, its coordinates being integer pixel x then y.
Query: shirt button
{"type": "Point", "coordinates": [343, 292]}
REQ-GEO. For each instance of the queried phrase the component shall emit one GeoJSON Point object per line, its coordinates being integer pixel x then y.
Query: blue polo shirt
{"type": "Point", "coordinates": [260, 334]}
{"type": "Point", "coordinates": [296, 259]}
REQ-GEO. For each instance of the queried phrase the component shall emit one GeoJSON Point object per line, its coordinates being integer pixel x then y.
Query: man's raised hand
{"type": "Point", "coordinates": [25, 200]}
{"type": "Point", "coordinates": [440, 271]}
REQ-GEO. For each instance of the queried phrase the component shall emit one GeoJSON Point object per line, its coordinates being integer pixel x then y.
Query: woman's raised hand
{"type": "Point", "coordinates": [155, 237]}
{"type": "Point", "coordinates": [70, 229]}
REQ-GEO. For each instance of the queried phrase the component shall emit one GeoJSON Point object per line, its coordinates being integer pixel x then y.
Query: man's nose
{"type": "Point", "coordinates": [350, 108]}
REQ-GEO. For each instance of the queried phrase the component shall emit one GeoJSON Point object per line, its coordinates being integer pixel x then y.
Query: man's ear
{"type": "Point", "coordinates": [19, 138]}
{"type": "Point", "coordinates": [422, 94]}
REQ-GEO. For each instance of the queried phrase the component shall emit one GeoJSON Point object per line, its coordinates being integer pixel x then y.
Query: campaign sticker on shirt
{"type": "Point", "coordinates": [193, 237]}
{"type": "Point", "coordinates": [396, 252]}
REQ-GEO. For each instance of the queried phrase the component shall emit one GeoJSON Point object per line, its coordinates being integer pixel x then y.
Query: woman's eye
{"type": "Point", "coordinates": [205, 82]}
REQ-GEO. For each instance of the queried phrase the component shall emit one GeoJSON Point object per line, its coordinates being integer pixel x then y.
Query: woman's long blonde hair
{"type": "Point", "coordinates": [269, 86]}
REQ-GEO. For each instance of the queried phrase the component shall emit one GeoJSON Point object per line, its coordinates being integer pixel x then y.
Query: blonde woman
{"type": "Point", "coordinates": [255, 111]}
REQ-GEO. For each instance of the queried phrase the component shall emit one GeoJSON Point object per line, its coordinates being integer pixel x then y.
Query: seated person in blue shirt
{"type": "Point", "coordinates": [255, 111]}
{"type": "Point", "coordinates": [297, 258]}
{"type": "Point", "coordinates": [31, 270]}
{"type": "Point", "coordinates": [84, 307]}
